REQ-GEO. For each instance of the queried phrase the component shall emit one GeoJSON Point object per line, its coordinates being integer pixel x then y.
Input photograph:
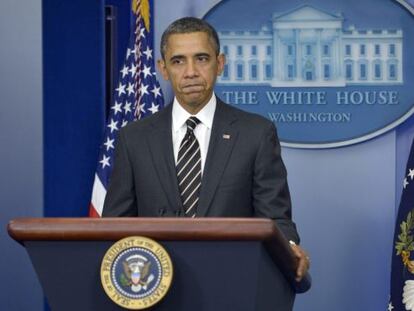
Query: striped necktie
{"type": "Point", "coordinates": [189, 169]}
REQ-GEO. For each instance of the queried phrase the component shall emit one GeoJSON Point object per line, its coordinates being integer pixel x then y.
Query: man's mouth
{"type": "Point", "coordinates": [193, 88]}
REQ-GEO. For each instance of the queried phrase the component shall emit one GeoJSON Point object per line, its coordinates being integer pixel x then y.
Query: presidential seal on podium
{"type": "Point", "coordinates": [136, 273]}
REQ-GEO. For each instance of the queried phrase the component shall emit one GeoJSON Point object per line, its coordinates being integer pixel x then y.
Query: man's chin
{"type": "Point", "coordinates": [194, 100]}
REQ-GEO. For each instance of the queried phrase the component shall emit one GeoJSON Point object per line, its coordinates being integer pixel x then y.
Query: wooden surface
{"type": "Point", "coordinates": [181, 229]}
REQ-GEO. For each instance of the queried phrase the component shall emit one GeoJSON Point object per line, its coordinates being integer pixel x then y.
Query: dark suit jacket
{"type": "Point", "coordinates": [244, 175]}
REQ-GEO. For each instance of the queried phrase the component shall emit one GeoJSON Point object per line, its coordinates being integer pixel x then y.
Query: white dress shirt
{"type": "Point", "coordinates": [202, 132]}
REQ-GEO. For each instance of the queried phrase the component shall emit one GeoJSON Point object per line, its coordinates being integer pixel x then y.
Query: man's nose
{"type": "Point", "coordinates": [191, 70]}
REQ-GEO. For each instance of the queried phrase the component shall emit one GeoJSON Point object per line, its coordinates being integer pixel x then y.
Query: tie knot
{"type": "Point", "coordinates": [192, 123]}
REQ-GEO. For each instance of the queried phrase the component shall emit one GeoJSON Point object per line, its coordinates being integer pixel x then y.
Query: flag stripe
{"type": "Point", "coordinates": [98, 195]}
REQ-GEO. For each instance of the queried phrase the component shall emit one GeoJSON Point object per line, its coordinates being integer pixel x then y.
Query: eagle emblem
{"type": "Point", "coordinates": [136, 273]}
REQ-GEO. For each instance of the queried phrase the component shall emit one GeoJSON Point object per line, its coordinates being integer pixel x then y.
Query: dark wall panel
{"type": "Point", "coordinates": [73, 86]}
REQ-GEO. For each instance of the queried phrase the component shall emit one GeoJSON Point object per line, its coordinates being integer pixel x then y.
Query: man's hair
{"type": "Point", "coordinates": [189, 25]}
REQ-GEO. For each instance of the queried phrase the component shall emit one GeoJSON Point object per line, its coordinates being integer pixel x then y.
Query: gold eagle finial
{"type": "Point", "coordinates": [144, 7]}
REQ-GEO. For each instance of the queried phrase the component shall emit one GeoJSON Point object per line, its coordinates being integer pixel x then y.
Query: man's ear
{"type": "Point", "coordinates": [162, 69]}
{"type": "Point", "coordinates": [221, 61]}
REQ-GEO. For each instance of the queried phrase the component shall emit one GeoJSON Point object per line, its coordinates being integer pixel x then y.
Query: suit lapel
{"type": "Point", "coordinates": [160, 143]}
{"type": "Point", "coordinates": [222, 139]}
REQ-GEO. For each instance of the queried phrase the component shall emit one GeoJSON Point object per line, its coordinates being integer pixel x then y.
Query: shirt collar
{"type": "Point", "coordinates": [205, 115]}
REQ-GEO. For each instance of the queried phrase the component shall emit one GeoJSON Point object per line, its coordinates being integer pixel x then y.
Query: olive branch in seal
{"type": "Point", "coordinates": [124, 281]}
{"type": "Point", "coordinates": [405, 243]}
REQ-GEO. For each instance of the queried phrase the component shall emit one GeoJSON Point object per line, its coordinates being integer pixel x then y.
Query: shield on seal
{"type": "Point", "coordinates": [136, 277]}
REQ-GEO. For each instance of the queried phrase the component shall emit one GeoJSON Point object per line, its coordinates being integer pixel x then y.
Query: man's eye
{"type": "Point", "coordinates": [202, 58]}
{"type": "Point", "coordinates": [177, 61]}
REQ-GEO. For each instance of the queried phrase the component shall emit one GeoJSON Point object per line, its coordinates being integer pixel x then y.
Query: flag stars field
{"type": "Point", "coordinates": [409, 175]}
{"type": "Point", "coordinates": [117, 108]}
{"type": "Point", "coordinates": [405, 183]}
{"type": "Point", "coordinates": [141, 108]}
{"type": "Point", "coordinates": [128, 53]}
{"type": "Point", "coordinates": [109, 143]}
{"type": "Point", "coordinates": [148, 53]}
{"type": "Point", "coordinates": [133, 70]}
{"type": "Point", "coordinates": [113, 126]}
{"type": "Point", "coordinates": [136, 51]}
{"type": "Point", "coordinates": [142, 33]}
{"type": "Point", "coordinates": [146, 71]}
{"type": "Point", "coordinates": [156, 91]}
{"type": "Point", "coordinates": [143, 89]}
{"type": "Point", "coordinates": [121, 89]}
{"type": "Point", "coordinates": [130, 89]}
{"type": "Point", "coordinates": [127, 107]}
{"type": "Point", "coordinates": [124, 71]}
{"type": "Point", "coordinates": [105, 161]}
{"type": "Point", "coordinates": [153, 108]}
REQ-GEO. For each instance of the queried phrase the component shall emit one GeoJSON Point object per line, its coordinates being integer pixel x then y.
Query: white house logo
{"type": "Point", "coordinates": [310, 47]}
{"type": "Point", "coordinates": [326, 72]}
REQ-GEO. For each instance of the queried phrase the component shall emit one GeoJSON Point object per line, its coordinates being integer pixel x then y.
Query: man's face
{"type": "Point", "coordinates": [191, 65]}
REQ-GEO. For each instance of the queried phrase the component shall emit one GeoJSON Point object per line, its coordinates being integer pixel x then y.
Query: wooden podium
{"type": "Point", "coordinates": [219, 263]}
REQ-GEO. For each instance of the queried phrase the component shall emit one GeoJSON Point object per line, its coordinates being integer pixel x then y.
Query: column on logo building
{"type": "Point", "coordinates": [276, 55]}
{"type": "Point", "coordinates": [277, 59]}
{"type": "Point", "coordinates": [298, 55]}
{"type": "Point", "coordinates": [339, 56]}
{"type": "Point", "coordinates": [319, 70]}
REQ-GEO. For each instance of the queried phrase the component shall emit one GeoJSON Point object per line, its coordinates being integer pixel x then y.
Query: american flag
{"type": "Point", "coordinates": [137, 95]}
{"type": "Point", "coordinates": [402, 273]}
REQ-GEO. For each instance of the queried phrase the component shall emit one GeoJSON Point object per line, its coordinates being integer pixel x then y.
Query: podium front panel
{"type": "Point", "coordinates": [208, 275]}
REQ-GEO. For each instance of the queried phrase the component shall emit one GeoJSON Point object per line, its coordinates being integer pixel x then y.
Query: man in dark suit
{"type": "Point", "coordinates": [200, 157]}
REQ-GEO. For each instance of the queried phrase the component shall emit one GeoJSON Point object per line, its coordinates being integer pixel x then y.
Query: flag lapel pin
{"type": "Point", "coordinates": [226, 136]}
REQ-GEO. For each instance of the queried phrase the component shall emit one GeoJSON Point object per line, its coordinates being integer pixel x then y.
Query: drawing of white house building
{"type": "Point", "coordinates": [308, 47]}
